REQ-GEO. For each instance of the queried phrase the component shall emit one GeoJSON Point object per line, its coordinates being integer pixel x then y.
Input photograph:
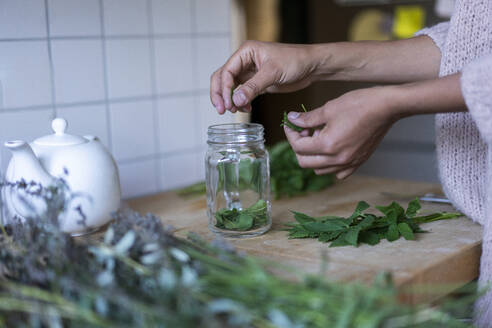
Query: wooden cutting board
{"type": "Point", "coordinates": [446, 258]}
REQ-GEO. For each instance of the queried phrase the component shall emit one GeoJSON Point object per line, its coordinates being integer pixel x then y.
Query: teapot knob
{"type": "Point", "coordinates": [59, 125]}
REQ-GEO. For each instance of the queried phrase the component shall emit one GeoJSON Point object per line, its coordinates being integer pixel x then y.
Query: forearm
{"type": "Point", "coordinates": [441, 95]}
{"type": "Point", "coordinates": [399, 61]}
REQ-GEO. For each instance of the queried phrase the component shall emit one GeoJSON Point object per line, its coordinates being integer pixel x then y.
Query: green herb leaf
{"type": "Point", "coordinates": [369, 237]}
{"type": "Point", "coordinates": [406, 231]}
{"type": "Point", "coordinates": [340, 241]}
{"type": "Point", "coordinates": [352, 235]}
{"type": "Point", "coordinates": [286, 122]}
{"type": "Point", "coordinates": [413, 208]}
{"type": "Point", "coordinates": [393, 233]}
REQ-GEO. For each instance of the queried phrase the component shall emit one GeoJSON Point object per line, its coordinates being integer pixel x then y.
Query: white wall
{"type": "Point", "coordinates": [135, 73]}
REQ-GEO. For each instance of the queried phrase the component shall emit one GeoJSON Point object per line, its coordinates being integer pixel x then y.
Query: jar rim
{"type": "Point", "coordinates": [235, 128]}
{"type": "Point", "coordinates": [235, 133]}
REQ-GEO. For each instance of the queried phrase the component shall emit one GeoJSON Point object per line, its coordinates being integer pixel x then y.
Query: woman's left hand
{"type": "Point", "coordinates": [347, 130]}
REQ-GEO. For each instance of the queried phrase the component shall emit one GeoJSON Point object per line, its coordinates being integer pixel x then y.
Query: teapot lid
{"type": "Point", "coordinates": [59, 138]}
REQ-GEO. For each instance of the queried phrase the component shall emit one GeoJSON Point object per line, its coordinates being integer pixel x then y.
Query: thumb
{"type": "Point", "coordinates": [310, 119]}
{"type": "Point", "coordinates": [253, 87]}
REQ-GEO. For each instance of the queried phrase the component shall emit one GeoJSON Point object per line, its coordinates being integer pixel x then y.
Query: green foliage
{"type": "Point", "coordinates": [363, 227]}
{"type": "Point", "coordinates": [287, 178]}
{"type": "Point", "coordinates": [252, 217]}
{"type": "Point", "coordinates": [140, 275]}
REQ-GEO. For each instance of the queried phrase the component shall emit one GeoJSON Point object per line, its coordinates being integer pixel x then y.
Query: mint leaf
{"type": "Point", "coordinates": [302, 218]}
{"type": "Point", "coordinates": [395, 207]}
{"type": "Point", "coordinates": [413, 208]}
{"type": "Point", "coordinates": [352, 235]}
{"type": "Point", "coordinates": [329, 236]}
{"type": "Point", "coordinates": [406, 231]}
{"type": "Point", "coordinates": [392, 233]}
{"type": "Point", "coordinates": [326, 226]}
{"type": "Point", "coordinates": [361, 207]}
{"type": "Point", "coordinates": [340, 241]}
{"type": "Point", "coordinates": [369, 237]}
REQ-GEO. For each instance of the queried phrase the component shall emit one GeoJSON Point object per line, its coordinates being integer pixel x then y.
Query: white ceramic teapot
{"type": "Point", "coordinates": [83, 162]}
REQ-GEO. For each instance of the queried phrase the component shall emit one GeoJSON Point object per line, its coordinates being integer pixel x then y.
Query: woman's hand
{"type": "Point", "coordinates": [347, 130]}
{"type": "Point", "coordinates": [258, 67]}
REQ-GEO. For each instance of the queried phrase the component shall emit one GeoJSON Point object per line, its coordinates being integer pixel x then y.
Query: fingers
{"type": "Point", "coordinates": [342, 172]}
{"type": "Point", "coordinates": [302, 144]}
{"type": "Point", "coordinates": [227, 82]}
{"type": "Point", "coordinates": [215, 92]}
{"type": "Point", "coordinates": [346, 173]}
{"type": "Point", "coordinates": [310, 119]}
{"type": "Point", "coordinates": [317, 161]}
{"type": "Point", "coordinates": [256, 85]}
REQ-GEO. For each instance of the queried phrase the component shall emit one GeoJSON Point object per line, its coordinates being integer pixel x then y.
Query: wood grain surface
{"type": "Point", "coordinates": [424, 270]}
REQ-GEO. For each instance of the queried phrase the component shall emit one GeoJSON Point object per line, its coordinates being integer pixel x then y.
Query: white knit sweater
{"type": "Point", "coordinates": [464, 139]}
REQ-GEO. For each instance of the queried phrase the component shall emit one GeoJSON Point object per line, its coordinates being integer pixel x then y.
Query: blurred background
{"type": "Point", "coordinates": [136, 73]}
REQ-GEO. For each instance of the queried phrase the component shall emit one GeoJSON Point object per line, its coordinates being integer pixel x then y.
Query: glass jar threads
{"type": "Point", "coordinates": [238, 180]}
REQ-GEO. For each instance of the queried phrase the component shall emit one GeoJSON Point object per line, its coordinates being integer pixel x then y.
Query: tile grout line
{"type": "Point", "coordinates": [50, 59]}
{"type": "Point", "coordinates": [178, 94]}
{"type": "Point", "coordinates": [122, 36]}
{"type": "Point", "coordinates": [153, 77]}
{"type": "Point", "coordinates": [105, 77]}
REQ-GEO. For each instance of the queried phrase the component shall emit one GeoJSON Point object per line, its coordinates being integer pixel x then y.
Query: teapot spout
{"type": "Point", "coordinates": [26, 165]}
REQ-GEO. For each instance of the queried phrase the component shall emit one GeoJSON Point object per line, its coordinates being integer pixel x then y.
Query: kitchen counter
{"type": "Point", "coordinates": [449, 254]}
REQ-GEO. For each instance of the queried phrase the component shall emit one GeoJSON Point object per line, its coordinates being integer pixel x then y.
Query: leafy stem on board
{"type": "Point", "coordinates": [362, 227]}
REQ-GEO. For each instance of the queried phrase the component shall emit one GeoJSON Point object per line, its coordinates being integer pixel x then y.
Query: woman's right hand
{"type": "Point", "coordinates": [258, 67]}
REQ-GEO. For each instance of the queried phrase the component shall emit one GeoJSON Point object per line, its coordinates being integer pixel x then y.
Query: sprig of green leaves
{"type": "Point", "coordinates": [363, 227]}
{"type": "Point", "coordinates": [252, 217]}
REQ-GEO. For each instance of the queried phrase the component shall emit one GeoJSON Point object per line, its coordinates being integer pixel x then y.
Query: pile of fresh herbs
{"type": "Point", "coordinates": [363, 227]}
{"type": "Point", "coordinates": [140, 275]}
{"type": "Point", "coordinates": [287, 178]}
{"type": "Point", "coordinates": [253, 217]}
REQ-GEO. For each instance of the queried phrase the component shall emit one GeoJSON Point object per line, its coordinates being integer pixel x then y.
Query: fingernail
{"type": "Point", "coordinates": [239, 99]}
{"type": "Point", "coordinates": [293, 115]}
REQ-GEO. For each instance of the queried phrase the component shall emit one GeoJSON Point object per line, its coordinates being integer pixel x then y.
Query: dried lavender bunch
{"type": "Point", "coordinates": [140, 275]}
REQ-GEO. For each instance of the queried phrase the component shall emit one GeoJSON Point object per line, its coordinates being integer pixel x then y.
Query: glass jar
{"type": "Point", "coordinates": [238, 180]}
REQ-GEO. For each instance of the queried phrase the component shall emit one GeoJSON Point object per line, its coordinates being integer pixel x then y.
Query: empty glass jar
{"type": "Point", "coordinates": [238, 180]}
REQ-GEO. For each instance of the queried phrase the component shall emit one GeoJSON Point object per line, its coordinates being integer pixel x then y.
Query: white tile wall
{"type": "Point", "coordinates": [128, 67]}
{"type": "Point", "coordinates": [171, 16]}
{"type": "Point", "coordinates": [212, 16]}
{"type": "Point", "coordinates": [86, 120]}
{"type": "Point", "coordinates": [78, 70]}
{"type": "Point", "coordinates": [186, 164]}
{"type": "Point", "coordinates": [139, 178]}
{"type": "Point", "coordinates": [177, 118]}
{"type": "Point", "coordinates": [211, 52]}
{"type": "Point", "coordinates": [135, 73]}
{"type": "Point", "coordinates": [25, 73]}
{"type": "Point", "coordinates": [173, 65]}
{"type": "Point", "coordinates": [132, 129]}
{"type": "Point", "coordinates": [74, 17]}
{"type": "Point", "coordinates": [14, 14]}
{"type": "Point", "coordinates": [125, 17]}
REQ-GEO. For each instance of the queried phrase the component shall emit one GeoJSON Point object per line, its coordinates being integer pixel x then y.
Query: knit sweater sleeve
{"type": "Point", "coordinates": [437, 33]}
